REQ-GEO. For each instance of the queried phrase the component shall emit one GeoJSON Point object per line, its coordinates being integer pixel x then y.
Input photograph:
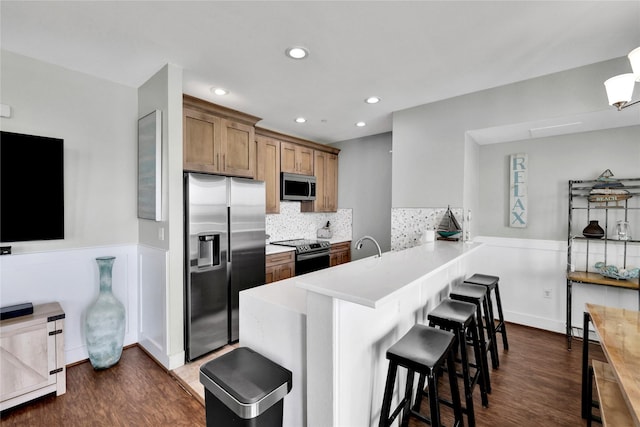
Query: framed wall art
{"type": "Point", "coordinates": [518, 180]}
{"type": "Point", "coordinates": [150, 166]}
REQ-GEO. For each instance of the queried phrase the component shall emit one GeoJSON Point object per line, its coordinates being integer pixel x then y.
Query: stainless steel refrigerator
{"type": "Point", "coordinates": [224, 254]}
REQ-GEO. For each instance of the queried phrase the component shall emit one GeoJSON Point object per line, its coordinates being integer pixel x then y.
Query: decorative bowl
{"type": "Point", "coordinates": [614, 272]}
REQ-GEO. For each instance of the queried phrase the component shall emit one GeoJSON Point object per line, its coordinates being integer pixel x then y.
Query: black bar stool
{"type": "Point", "coordinates": [459, 318]}
{"type": "Point", "coordinates": [491, 282]}
{"type": "Point", "coordinates": [477, 295]}
{"type": "Point", "coordinates": [423, 350]}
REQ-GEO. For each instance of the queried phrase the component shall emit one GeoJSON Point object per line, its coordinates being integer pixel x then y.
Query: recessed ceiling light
{"type": "Point", "coordinates": [219, 91]}
{"type": "Point", "coordinates": [372, 100]}
{"type": "Point", "coordinates": [297, 52]}
{"type": "Point", "coordinates": [300, 120]}
{"type": "Point", "coordinates": [361, 124]}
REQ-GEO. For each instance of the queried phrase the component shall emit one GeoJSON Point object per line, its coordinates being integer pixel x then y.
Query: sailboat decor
{"type": "Point", "coordinates": [608, 189]}
{"type": "Point", "coordinates": [449, 227]}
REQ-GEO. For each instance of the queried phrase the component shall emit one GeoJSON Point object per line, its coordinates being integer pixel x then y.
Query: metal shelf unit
{"type": "Point", "coordinates": [582, 209]}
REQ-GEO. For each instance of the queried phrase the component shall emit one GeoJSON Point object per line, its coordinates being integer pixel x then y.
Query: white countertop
{"type": "Point", "coordinates": [276, 249]}
{"type": "Point", "coordinates": [371, 281]}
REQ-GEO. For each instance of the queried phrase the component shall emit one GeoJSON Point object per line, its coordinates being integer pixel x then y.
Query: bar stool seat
{"type": "Point", "coordinates": [424, 350]}
{"type": "Point", "coordinates": [460, 318]}
{"type": "Point", "coordinates": [491, 282]}
{"type": "Point", "coordinates": [477, 295]}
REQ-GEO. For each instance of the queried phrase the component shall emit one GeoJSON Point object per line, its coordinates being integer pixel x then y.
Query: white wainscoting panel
{"type": "Point", "coordinates": [71, 277]}
{"type": "Point", "coordinates": [152, 264]}
{"type": "Point", "coordinates": [527, 268]}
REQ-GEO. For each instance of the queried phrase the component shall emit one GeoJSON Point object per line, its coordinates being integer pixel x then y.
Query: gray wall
{"type": "Point", "coordinates": [429, 141]}
{"type": "Point", "coordinates": [552, 162]}
{"type": "Point", "coordinates": [364, 185]}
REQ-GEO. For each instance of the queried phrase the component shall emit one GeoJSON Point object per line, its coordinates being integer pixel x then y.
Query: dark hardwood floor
{"type": "Point", "coordinates": [135, 392]}
{"type": "Point", "coordinates": [538, 384]}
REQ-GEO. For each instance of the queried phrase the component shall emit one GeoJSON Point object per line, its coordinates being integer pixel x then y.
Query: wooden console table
{"type": "Point", "coordinates": [619, 333]}
{"type": "Point", "coordinates": [32, 355]}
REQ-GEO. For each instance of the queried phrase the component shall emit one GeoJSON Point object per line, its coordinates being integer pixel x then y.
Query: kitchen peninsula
{"type": "Point", "coordinates": [332, 327]}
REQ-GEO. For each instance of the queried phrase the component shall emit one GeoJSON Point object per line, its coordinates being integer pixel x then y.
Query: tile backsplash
{"type": "Point", "coordinates": [408, 224]}
{"type": "Point", "coordinates": [290, 223]}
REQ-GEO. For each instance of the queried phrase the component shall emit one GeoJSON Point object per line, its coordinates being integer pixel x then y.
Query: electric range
{"type": "Point", "coordinates": [311, 255]}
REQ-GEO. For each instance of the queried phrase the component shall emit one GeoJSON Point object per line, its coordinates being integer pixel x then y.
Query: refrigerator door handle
{"type": "Point", "coordinates": [208, 250]}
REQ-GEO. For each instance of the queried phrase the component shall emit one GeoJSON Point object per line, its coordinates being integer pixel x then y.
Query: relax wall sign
{"type": "Point", "coordinates": [518, 178]}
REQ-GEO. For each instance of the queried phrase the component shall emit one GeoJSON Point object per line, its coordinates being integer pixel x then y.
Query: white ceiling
{"type": "Point", "coordinates": [407, 53]}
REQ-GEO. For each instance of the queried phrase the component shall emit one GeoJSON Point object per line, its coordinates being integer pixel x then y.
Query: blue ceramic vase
{"type": "Point", "coordinates": [104, 323]}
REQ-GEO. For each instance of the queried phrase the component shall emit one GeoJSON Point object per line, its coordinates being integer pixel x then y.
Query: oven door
{"type": "Point", "coordinates": [312, 261]}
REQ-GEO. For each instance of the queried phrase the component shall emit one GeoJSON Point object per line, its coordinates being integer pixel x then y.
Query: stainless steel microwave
{"type": "Point", "coordinates": [297, 187]}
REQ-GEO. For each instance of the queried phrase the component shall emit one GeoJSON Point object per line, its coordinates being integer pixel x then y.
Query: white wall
{"type": "Point", "coordinates": [161, 252]}
{"type": "Point", "coordinates": [98, 121]}
{"type": "Point", "coordinates": [70, 277]}
{"type": "Point", "coordinates": [528, 267]}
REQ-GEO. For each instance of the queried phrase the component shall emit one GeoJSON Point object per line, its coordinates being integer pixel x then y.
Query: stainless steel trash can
{"type": "Point", "coordinates": [244, 388]}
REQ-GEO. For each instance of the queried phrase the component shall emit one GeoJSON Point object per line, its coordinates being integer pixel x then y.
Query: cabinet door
{"type": "Point", "coordinates": [238, 149]}
{"type": "Point", "coordinates": [286, 271]}
{"type": "Point", "coordinates": [334, 259]}
{"type": "Point", "coordinates": [295, 158]}
{"type": "Point", "coordinates": [326, 172]}
{"type": "Point", "coordinates": [28, 357]}
{"type": "Point", "coordinates": [268, 170]}
{"type": "Point", "coordinates": [201, 142]}
{"type": "Point", "coordinates": [320, 171]}
{"type": "Point", "coordinates": [288, 157]}
{"type": "Point", "coordinates": [340, 253]}
{"type": "Point", "coordinates": [279, 266]}
{"type": "Point", "coordinates": [304, 156]}
{"type": "Point", "coordinates": [331, 183]}
{"type": "Point", "coordinates": [271, 274]}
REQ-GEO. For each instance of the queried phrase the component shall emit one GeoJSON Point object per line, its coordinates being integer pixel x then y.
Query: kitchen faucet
{"type": "Point", "coordinates": [362, 239]}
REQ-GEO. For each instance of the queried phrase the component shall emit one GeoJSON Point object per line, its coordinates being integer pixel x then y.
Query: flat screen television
{"type": "Point", "coordinates": [31, 188]}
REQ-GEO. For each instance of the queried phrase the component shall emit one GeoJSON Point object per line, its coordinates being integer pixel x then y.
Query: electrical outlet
{"type": "Point", "coordinates": [161, 233]}
{"type": "Point", "coordinates": [547, 293]}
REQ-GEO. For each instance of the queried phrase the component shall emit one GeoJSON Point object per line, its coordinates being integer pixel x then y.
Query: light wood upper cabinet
{"type": "Point", "coordinates": [326, 173]}
{"type": "Point", "coordinates": [268, 170]}
{"type": "Point", "coordinates": [296, 158]}
{"type": "Point", "coordinates": [217, 139]}
{"type": "Point", "coordinates": [331, 182]}
{"type": "Point", "coordinates": [201, 142]}
{"type": "Point", "coordinates": [238, 149]}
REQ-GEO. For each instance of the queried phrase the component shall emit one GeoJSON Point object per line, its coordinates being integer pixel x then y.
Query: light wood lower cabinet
{"type": "Point", "coordinates": [32, 359]}
{"type": "Point", "coordinates": [280, 266]}
{"type": "Point", "coordinates": [340, 253]}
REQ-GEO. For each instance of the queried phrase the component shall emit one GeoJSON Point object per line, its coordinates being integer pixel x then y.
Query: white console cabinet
{"type": "Point", "coordinates": [32, 355]}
